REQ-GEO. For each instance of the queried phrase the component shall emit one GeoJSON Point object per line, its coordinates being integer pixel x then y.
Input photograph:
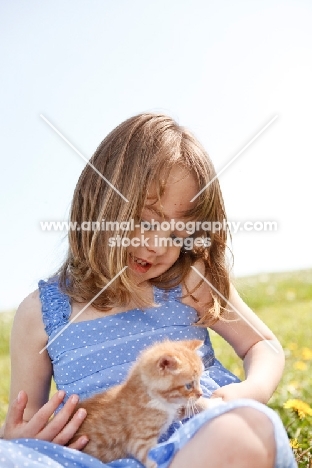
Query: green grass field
{"type": "Point", "coordinates": [284, 302]}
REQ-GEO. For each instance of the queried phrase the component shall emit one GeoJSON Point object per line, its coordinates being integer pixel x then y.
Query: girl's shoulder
{"type": "Point", "coordinates": [28, 317]}
{"type": "Point", "coordinates": [30, 307]}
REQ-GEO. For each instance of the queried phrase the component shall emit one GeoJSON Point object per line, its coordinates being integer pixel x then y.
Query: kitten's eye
{"type": "Point", "coordinates": [189, 385]}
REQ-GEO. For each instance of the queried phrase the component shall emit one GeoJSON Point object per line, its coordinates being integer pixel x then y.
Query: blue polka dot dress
{"type": "Point", "coordinates": [90, 356]}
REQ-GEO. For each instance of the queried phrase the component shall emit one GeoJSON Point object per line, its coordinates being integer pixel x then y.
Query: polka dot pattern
{"type": "Point", "coordinates": [40, 454]}
{"type": "Point", "coordinates": [93, 355]}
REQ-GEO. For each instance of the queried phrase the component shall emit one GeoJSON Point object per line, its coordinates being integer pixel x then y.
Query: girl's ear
{"type": "Point", "coordinates": [168, 364]}
{"type": "Point", "coordinates": [195, 344]}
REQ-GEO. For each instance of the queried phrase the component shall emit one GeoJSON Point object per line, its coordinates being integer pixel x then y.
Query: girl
{"type": "Point", "coordinates": [142, 267]}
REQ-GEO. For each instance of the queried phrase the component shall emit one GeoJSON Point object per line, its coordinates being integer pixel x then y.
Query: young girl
{"type": "Point", "coordinates": [148, 268]}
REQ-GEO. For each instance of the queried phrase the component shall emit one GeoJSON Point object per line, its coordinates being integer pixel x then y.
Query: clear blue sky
{"type": "Point", "coordinates": [221, 68]}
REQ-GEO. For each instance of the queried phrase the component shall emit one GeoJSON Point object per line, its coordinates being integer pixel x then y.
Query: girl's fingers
{"type": "Point", "coordinates": [58, 423]}
{"type": "Point", "coordinates": [217, 394]}
{"type": "Point", "coordinates": [70, 429]}
{"type": "Point", "coordinates": [40, 420]}
{"type": "Point", "coordinates": [15, 413]}
{"type": "Point", "coordinates": [80, 443]}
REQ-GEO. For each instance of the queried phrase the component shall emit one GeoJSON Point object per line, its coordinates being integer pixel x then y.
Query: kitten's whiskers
{"type": "Point", "coordinates": [191, 408]}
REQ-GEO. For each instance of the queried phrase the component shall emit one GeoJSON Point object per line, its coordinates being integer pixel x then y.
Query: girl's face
{"type": "Point", "coordinates": [152, 250]}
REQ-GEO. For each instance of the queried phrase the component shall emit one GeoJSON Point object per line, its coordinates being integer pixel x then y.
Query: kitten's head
{"type": "Point", "coordinates": [171, 370]}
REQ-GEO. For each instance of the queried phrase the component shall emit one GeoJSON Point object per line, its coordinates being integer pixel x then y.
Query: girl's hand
{"type": "Point", "coordinates": [235, 391]}
{"type": "Point", "coordinates": [59, 429]}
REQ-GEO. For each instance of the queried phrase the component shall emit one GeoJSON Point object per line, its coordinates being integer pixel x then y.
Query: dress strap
{"type": "Point", "coordinates": [56, 308]}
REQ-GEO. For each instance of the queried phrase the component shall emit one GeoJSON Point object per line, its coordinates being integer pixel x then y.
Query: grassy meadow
{"type": "Point", "coordinates": [284, 302]}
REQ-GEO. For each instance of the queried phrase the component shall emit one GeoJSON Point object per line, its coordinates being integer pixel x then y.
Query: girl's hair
{"type": "Point", "coordinates": [138, 153]}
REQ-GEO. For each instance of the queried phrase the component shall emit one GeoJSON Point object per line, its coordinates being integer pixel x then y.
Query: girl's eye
{"type": "Point", "coordinates": [173, 236]}
{"type": "Point", "coordinates": [189, 385]}
{"type": "Point", "coordinates": [147, 226]}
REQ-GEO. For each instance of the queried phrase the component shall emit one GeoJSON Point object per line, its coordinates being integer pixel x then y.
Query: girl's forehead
{"type": "Point", "coordinates": [175, 200]}
{"type": "Point", "coordinates": [167, 212]}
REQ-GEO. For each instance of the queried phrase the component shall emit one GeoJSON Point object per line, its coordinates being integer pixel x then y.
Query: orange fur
{"type": "Point", "coordinates": [128, 419]}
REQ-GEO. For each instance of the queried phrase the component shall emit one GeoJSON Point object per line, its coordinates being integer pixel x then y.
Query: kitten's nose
{"type": "Point", "coordinates": [199, 393]}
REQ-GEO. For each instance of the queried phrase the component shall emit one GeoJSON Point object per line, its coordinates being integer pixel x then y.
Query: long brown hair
{"type": "Point", "coordinates": [140, 151]}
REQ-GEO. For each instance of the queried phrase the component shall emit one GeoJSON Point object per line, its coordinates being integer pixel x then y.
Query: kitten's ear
{"type": "Point", "coordinates": [168, 363]}
{"type": "Point", "coordinates": [195, 344]}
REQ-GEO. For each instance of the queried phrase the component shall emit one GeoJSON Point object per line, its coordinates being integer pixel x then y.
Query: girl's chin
{"type": "Point", "coordinates": [140, 278]}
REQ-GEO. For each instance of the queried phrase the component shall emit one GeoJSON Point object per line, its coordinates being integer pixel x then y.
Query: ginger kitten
{"type": "Point", "coordinates": [127, 420]}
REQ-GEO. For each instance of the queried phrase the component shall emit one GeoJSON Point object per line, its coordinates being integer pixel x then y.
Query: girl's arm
{"type": "Point", "coordinates": [252, 340]}
{"type": "Point", "coordinates": [31, 371]}
{"type": "Point", "coordinates": [261, 352]}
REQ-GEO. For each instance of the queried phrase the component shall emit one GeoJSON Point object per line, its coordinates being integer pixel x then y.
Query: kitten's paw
{"type": "Point", "coordinates": [215, 402]}
{"type": "Point", "coordinates": [208, 403]}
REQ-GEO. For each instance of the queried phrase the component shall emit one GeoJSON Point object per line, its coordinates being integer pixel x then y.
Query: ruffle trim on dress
{"type": "Point", "coordinates": [164, 295]}
{"type": "Point", "coordinates": [56, 307]}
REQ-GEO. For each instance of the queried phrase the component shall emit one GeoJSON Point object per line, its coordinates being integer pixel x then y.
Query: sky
{"type": "Point", "coordinates": [222, 69]}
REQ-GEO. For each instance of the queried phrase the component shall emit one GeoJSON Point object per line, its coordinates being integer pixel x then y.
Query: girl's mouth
{"type": "Point", "coordinates": [139, 264]}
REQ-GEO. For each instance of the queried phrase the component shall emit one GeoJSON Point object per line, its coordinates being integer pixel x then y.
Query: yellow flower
{"type": "Point", "coordinates": [292, 346]}
{"type": "Point", "coordinates": [300, 365]}
{"type": "Point", "coordinates": [294, 383]}
{"type": "Point", "coordinates": [306, 354]}
{"type": "Point", "coordinates": [294, 443]}
{"type": "Point", "coordinates": [299, 406]}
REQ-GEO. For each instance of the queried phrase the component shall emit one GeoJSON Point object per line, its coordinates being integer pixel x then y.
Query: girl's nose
{"type": "Point", "coordinates": [159, 241]}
